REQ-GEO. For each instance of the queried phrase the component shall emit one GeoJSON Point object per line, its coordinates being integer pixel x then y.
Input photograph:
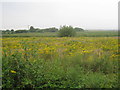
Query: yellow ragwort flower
{"type": "Point", "coordinates": [12, 71]}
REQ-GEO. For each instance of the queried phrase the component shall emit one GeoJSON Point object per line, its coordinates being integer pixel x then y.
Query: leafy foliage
{"type": "Point", "coordinates": [78, 29]}
{"type": "Point", "coordinates": [21, 31]}
{"type": "Point", "coordinates": [67, 31]}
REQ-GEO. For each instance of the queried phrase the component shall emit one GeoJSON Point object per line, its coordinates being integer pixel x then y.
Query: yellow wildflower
{"type": "Point", "coordinates": [12, 71]}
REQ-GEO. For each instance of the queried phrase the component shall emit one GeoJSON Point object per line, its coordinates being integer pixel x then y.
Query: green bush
{"type": "Point", "coordinates": [67, 31]}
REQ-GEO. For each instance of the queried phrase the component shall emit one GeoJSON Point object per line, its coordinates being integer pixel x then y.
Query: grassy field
{"type": "Point", "coordinates": [67, 62]}
{"type": "Point", "coordinates": [54, 34]}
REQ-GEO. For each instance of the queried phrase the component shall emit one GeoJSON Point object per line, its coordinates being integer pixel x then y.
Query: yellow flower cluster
{"type": "Point", "coordinates": [55, 47]}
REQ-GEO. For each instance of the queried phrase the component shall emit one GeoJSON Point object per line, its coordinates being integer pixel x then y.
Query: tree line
{"type": "Point", "coordinates": [32, 29]}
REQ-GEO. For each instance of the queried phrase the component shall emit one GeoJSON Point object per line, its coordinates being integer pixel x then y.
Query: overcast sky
{"type": "Point", "coordinates": [87, 14]}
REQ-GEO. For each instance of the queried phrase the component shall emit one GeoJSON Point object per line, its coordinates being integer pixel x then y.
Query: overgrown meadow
{"type": "Point", "coordinates": [66, 62]}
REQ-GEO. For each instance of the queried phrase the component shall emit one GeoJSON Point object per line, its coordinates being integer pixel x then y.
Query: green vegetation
{"type": "Point", "coordinates": [38, 58]}
{"type": "Point", "coordinates": [66, 31]}
{"type": "Point", "coordinates": [37, 30]}
{"type": "Point", "coordinates": [60, 73]}
{"type": "Point", "coordinates": [84, 33]}
{"type": "Point", "coordinates": [60, 62]}
{"type": "Point", "coordinates": [77, 29]}
{"type": "Point", "coordinates": [46, 34]}
{"type": "Point", "coordinates": [31, 30]}
{"type": "Point", "coordinates": [96, 33]}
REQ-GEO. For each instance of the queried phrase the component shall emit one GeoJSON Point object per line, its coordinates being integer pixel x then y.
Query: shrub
{"type": "Point", "coordinates": [66, 31]}
{"type": "Point", "coordinates": [21, 31]}
{"type": "Point", "coordinates": [77, 29]}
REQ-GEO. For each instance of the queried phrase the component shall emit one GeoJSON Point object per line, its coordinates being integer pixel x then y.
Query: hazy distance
{"type": "Point", "coordinates": [87, 14]}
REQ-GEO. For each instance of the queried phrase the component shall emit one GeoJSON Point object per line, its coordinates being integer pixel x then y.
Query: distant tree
{"type": "Point", "coordinates": [3, 32]}
{"type": "Point", "coordinates": [21, 31]}
{"type": "Point", "coordinates": [78, 29]}
{"type": "Point", "coordinates": [8, 31]}
{"type": "Point", "coordinates": [12, 30]}
{"type": "Point", "coordinates": [53, 29]}
{"type": "Point", "coordinates": [32, 29]}
{"type": "Point", "coordinates": [66, 31]}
